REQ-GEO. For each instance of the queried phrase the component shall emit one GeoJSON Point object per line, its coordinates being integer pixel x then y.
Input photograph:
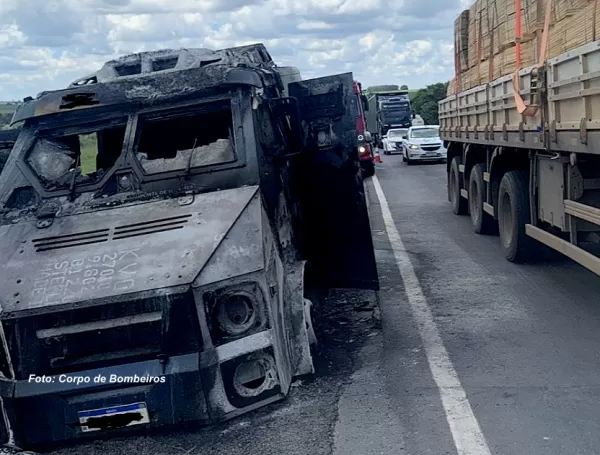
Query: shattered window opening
{"type": "Point", "coordinates": [54, 158]}
{"type": "Point", "coordinates": [191, 141]}
{"type": "Point", "coordinates": [129, 69]}
{"type": "Point", "coordinates": [162, 64]}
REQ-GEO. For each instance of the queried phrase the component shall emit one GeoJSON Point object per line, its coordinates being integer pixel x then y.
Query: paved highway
{"type": "Point", "coordinates": [460, 353]}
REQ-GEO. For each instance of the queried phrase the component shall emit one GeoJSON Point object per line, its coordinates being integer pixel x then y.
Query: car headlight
{"type": "Point", "coordinates": [361, 149]}
{"type": "Point", "coordinates": [413, 147]}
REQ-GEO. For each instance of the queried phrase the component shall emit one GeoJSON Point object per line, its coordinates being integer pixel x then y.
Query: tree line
{"type": "Point", "coordinates": [425, 102]}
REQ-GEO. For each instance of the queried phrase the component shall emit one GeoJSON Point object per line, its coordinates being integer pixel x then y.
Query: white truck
{"type": "Point", "coordinates": [524, 157]}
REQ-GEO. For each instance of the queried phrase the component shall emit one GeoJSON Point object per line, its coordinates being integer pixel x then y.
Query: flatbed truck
{"type": "Point", "coordinates": [524, 157]}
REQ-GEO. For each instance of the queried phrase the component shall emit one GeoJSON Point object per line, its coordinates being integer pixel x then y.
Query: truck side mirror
{"type": "Point", "coordinates": [414, 115]}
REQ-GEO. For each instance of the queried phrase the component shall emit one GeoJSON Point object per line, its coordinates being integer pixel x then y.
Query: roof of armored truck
{"type": "Point", "coordinates": [149, 77]}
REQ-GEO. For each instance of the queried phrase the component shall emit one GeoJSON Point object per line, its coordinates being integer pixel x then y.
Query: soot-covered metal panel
{"type": "Point", "coordinates": [108, 253]}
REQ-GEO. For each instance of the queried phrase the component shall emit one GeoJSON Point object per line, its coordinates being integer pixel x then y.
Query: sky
{"type": "Point", "coordinates": [46, 44]}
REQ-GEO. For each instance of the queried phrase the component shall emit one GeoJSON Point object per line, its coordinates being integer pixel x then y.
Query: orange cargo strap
{"type": "Point", "coordinates": [522, 108]}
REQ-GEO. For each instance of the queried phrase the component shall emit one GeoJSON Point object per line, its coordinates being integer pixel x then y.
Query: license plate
{"type": "Point", "coordinates": [114, 417]}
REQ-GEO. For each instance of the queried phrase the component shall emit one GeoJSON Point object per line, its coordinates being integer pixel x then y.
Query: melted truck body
{"type": "Point", "coordinates": [160, 219]}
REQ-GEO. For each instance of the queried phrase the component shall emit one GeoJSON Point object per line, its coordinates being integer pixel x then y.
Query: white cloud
{"type": "Point", "coordinates": [44, 45]}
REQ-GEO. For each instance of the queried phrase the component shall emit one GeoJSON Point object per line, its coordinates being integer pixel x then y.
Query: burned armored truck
{"type": "Point", "coordinates": [163, 222]}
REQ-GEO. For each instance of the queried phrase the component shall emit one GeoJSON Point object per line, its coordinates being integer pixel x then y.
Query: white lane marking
{"type": "Point", "coordinates": [467, 435]}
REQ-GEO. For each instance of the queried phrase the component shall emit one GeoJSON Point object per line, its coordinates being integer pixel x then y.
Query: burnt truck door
{"type": "Point", "coordinates": [336, 233]}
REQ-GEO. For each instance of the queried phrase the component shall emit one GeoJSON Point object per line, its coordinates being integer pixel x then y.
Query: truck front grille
{"type": "Point", "coordinates": [103, 335]}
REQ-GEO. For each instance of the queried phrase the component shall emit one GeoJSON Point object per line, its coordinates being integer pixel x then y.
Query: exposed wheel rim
{"type": "Point", "coordinates": [506, 220]}
{"type": "Point", "coordinates": [474, 201]}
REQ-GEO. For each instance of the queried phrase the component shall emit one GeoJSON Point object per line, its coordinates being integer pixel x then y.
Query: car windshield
{"type": "Point", "coordinates": [81, 157]}
{"type": "Point", "coordinates": [421, 133]}
{"type": "Point", "coordinates": [396, 134]}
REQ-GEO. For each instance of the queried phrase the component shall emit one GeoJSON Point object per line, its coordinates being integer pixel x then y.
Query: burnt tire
{"type": "Point", "coordinates": [459, 204]}
{"type": "Point", "coordinates": [513, 215]}
{"type": "Point", "coordinates": [482, 222]}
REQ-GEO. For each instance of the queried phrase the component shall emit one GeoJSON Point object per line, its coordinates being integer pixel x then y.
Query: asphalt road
{"type": "Point", "coordinates": [467, 355]}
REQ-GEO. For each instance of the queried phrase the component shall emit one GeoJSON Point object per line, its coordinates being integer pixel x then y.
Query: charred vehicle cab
{"type": "Point", "coordinates": [162, 222]}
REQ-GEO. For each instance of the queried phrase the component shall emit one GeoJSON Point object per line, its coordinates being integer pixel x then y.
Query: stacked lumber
{"type": "Point", "coordinates": [461, 39]}
{"type": "Point", "coordinates": [490, 29]}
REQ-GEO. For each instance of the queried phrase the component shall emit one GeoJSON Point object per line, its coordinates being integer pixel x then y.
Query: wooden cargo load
{"type": "Point", "coordinates": [461, 40]}
{"type": "Point", "coordinates": [492, 31]}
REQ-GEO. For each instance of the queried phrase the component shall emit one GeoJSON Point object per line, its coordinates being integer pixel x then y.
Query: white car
{"type": "Point", "coordinates": [423, 143]}
{"type": "Point", "coordinates": [392, 141]}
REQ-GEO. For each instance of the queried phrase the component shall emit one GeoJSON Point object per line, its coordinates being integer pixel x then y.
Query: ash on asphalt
{"type": "Point", "coordinates": [301, 424]}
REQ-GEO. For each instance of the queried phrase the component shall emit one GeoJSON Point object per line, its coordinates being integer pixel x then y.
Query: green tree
{"type": "Point", "coordinates": [425, 102]}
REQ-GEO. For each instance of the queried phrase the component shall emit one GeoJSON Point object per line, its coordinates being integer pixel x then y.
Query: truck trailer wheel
{"type": "Point", "coordinates": [483, 223]}
{"type": "Point", "coordinates": [459, 204]}
{"type": "Point", "coordinates": [513, 215]}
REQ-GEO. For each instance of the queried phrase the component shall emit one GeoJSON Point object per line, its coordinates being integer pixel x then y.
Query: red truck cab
{"type": "Point", "coordinates": [365, 151]}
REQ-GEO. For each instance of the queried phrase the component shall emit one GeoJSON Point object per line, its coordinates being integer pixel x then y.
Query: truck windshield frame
{"type": "Point", "coordinates": [195, 138]}
{"type": "Point", "coordinates": [91, 150]}
{"type": "Point", "coordinates": [396, 115]}
{"type": "Point", "coordinates": [131, 121]}
{"type": "Point", "coordinates": [191, 160]}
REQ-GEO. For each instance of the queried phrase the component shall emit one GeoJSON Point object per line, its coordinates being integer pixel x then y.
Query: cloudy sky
{"type": "Point", "coordinates": [45, 44]}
